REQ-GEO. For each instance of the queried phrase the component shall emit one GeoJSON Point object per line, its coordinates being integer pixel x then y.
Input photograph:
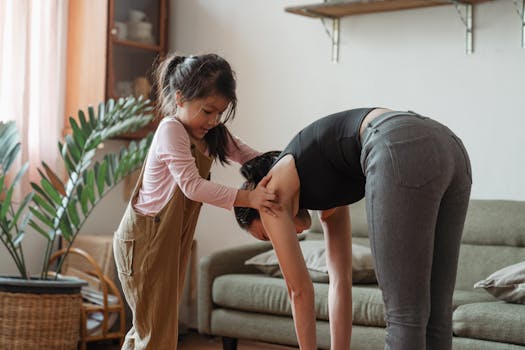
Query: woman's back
{"type": "Point", "coordinates": [327, 154]}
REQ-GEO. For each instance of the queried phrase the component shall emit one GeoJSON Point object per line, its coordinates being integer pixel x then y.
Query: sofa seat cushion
{"type": "Point", "coordinates": [263, 294]}
{"type": "Point", "coordinates": [268, 295]}
{"type": "Point", "coordinates": [495, 321]}
{"type": "Point", "coordinates": [462, 297]}
{"type": "Point", "coordinates": [369, 309]}
{"type": "Point", "coordinates": [367, 306]}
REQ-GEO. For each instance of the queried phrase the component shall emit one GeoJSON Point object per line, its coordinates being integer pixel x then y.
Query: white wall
{"type": "Point", "coordinates": [403, 60]}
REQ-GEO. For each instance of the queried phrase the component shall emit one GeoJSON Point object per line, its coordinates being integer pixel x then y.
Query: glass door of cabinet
{"type": "Point", "coordinates": [137, 39]}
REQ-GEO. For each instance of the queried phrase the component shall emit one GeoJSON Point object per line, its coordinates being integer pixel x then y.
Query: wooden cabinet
{"type": "Point", "coordinates": [112, 48]}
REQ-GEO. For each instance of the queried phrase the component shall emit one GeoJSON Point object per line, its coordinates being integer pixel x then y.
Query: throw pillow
{"type": "Point", "coordinates": [315, 258]}
{"type": "Point", "coordinates": [506, 284]}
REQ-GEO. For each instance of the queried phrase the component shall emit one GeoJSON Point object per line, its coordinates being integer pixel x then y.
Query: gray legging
{"type": "Point", "coordinates": [418, 181]}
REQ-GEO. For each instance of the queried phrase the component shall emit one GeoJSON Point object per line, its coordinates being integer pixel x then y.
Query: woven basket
{"type": "Point", "coordinates": [39, 321]}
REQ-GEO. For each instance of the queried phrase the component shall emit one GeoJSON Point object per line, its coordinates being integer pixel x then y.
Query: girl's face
{"type": "Point", "coordinates": [201, 114]}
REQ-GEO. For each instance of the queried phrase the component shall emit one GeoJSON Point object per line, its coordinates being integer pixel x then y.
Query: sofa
{"type": "Point", "coordinates": [238, 301]}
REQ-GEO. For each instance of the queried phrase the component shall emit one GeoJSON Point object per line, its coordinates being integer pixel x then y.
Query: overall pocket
{"type": "Point", "coordinates": [123, 249]}
{"type": "Point", "coordinates": [415, 161]}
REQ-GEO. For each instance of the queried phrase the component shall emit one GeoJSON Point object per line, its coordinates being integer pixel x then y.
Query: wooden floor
{"type": "Point", "coordinates": [195, 341]}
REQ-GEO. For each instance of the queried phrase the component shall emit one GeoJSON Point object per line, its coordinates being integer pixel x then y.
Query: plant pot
{"type": "Point", "coordinates": [40, 314]}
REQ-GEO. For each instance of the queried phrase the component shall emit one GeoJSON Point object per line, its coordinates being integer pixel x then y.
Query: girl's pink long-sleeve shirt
{"type": "Point", "coordinates": [170, 163]}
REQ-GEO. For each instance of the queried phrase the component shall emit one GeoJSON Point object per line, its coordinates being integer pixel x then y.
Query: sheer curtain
{"type": "Point", "coordinates": [33, 37]}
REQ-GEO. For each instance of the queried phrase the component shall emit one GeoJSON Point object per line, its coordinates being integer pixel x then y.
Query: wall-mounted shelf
{"type": "Point", "coordinates": [349, 8]}
{"type": "Point", "coordinates": [335, 10]}
{"type": "Point", "coordinates": [520, 9]}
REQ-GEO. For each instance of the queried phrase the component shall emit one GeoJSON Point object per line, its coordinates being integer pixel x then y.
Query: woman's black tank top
{"type": "Point", "coordinates": [327, 157]}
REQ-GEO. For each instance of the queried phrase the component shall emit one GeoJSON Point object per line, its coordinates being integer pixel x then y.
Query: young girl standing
{"type": "Point", "coordinates": [196, 95]}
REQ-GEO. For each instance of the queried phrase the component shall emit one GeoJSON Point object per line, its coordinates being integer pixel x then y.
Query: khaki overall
{"type": "Point", "coordinates": [151, 254]}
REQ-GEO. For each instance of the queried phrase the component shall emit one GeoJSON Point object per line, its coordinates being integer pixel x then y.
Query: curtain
{"type": "Point", "coordinates": [33, 37]}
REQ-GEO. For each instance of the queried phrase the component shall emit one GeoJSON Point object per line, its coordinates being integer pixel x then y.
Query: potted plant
{"type": "Point", "coordinates": [47, 305]}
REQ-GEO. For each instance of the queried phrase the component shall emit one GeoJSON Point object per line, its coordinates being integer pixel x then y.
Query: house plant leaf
{"type": "Point", "coordinates": [59, 206]}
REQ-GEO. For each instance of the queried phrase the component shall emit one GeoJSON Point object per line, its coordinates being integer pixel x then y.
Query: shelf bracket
{"type": "Point", "coordinates": [334, 36]}
{"type": "Point", "coordinates": [468, 20]}
{"type": "Point", "coordinates": [521, 13]}
{"type": "Point", "coordinates": [335, 39]}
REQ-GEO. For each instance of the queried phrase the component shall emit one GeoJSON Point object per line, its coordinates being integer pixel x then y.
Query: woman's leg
{"type": "Point", "coordinates": [339, 260]}
{"type": "Point", "coordinates": [449, 228]}
{"type": "Point", "coordinates": [402, 236]}
{"type": "Point", "coordinates": [447, 241]}
{"type": "Point", "coordinates": [408, 171]}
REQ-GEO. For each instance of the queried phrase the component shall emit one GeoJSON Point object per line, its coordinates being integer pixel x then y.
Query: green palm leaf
{"type": "Point", "coordinates": [2, 180]}
{"type": "Point", "coordinates": [43, 204]}
{"type": "Point", "coordinates": [79, 134]}
{"type": "Point", "coordinates": [13, 218]}
{"type": "Point", "coordinates": [66, 205]}
{"type": "Point", "coordinates": [21, 209]}
{"type": "Point", "coordinates": [83, 123]}
{"type": "Point", "coordinates": [100, 174]}
{"type": "Point", "coordinates": [73, 213]}
{"type": "Point", "coordinates": [60, 203]}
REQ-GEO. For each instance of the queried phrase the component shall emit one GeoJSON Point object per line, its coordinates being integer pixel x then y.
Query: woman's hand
{"type": "Point", "coordinates": [282, 232]}
{"type": "Point", "coordinates": [263, 199]}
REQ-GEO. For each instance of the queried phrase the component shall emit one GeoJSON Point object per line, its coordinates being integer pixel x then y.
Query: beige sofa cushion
{"type": "Point", "coordinates": [314, 253]}
{"type": "Point", "coordinates": [495, 321]}
{"type": "Point", "coordinates": [507, 284]}
{"type": "Point", "coordinates": [268, 295]}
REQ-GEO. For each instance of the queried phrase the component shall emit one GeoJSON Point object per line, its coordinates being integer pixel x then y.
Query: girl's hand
{"type": "Point", "coordinates": [263, 199]}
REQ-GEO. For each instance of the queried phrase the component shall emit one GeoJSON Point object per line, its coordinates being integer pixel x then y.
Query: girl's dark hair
{"type": "Point", "coordinates": [198, 77]}
{"type": "Point", "coordinates": [253, 171]}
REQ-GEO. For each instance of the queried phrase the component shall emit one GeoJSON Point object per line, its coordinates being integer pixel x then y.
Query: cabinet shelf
{"type": "Point", "coordinates": [137, 45]}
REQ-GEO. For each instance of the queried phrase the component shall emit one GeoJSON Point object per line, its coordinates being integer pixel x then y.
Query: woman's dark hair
{"type": "Point", "coordinates": [253, 171]}
{"type": "Point", "coordinates": [198, 77]}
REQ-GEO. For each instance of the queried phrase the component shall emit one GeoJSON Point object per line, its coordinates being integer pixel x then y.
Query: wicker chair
{"type": "Point", "coordinates": [105, 310]}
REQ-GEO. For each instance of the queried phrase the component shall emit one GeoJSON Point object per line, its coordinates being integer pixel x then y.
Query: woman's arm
{"type": "Point", "coordinates": [338, 238]}
{"type": "Point", "coordinates": [281, 231]}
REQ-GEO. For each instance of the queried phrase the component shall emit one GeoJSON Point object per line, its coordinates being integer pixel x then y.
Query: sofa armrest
{"type": "Point", "coordinates": [219, 263]}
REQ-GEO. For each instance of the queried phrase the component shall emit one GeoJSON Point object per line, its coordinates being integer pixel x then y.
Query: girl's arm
{"type": "Point", "coordinates": [174, 149]}
{"type": "Point", "coordinates": [338, 238]}
{"type": "Point", "coordinates": [258, 198]}
{"type": "Point", "coordinates": [281, 231]}
{"type": "Point", "coordinates": [240, 152]}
